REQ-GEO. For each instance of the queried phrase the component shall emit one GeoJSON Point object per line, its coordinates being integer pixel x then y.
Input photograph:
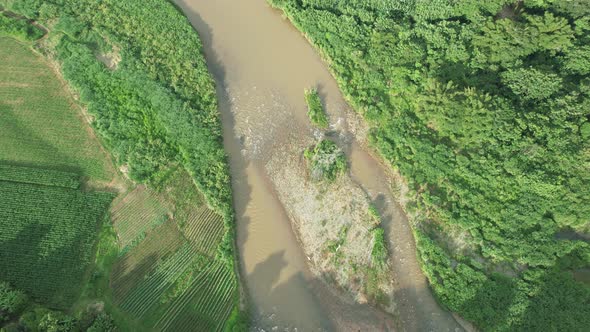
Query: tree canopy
{"type": "Point", "coordinates": [484, 107]}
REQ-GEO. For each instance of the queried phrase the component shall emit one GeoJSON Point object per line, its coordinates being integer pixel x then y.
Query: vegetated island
{"type": "Point", "coordinates": [315, 109]}
{"type": "Point", "coordinates": [483, 108]}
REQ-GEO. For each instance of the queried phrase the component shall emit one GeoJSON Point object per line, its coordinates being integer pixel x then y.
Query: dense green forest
{"type": "Point", "coordinates": [483, 106]}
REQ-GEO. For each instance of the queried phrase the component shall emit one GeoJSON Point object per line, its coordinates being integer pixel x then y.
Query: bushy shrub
{"type": "Point", "coordinates": [315, 109]}
{"type": "Point", "coordinates": [12, 301]}
{"type": "Point", "coordinates": [326, 161]}
{"type": "Point", "coordinates": [18, 28]}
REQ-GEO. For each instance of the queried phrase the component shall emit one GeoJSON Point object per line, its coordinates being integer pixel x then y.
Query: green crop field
{"type": "Point", "coordinates": [134, 264]}
{"type": "Point", "coordinates": [204, 229]}
{"type": "Point", "coordinates": [39, 176]}
{"type": "Point", "coordinates": [136, 214]}
{"type": "Point", "coordinates": [172, 279]}
{"type": "Point", "coordinates": [47, 234]}
{"type": "Point", "coordinates": [39, 123]}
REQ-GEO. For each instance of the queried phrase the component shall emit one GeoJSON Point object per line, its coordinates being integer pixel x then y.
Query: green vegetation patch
{"type": "Point", "coordinates": [379, 252]}
{"type": "Point", "coordinates": [39, 176]}
{"type": "Point", "coordinates": [47, 237]}
{"type": "Point", "coordinates": [39, 125]}
{"type": "Point", "coordinates": [18, 28]}
{"type": "Point", "coordinates": [483, 107]}
{"type": "Point", "coordinates": [326, 161]}
{"type": "Point", "coordinates": [12, 301]}
{"type": "Point", "coordinates": [315, 109]}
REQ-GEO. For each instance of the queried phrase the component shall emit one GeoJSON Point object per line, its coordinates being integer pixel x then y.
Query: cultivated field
{"type": "Point", "coordinates": [47, 236]}
{"type": "Point", "coordinates": [169, 273]}
{"type": "Point", "coordinates": [136, 214]}
{"type": "Point", "coordinates": [39, 124]}
{"type": "Point", "coordinates": [169, 276]}
{"type": "Point", "coordinates": [39, 176]}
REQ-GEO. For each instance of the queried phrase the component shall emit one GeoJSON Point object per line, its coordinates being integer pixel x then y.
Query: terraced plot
{"type": "Point", "coordinates": [136, 214]}
{"type": "Point", "coordinates": [172, 279]}
{"type": "Point", "coordinates": [204, 230]}
{"type": "Point", "coordinates": [135, 264]}
{"type": "Point", "coordinates": [205, 305]}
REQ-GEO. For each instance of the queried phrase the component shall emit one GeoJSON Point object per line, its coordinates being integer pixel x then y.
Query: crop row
{"type": "Point", "coordinates": [46, 238]}
{"type": "Point", "coordinates": [148, 291]}
{"type": "Point", "coordinates": [205, 230]}
{"type": "Point", "coordinates": [41, 126]}
{"type": "Point", "coordinates": [137, 263]}
{"type": "Point", "coordinates": [203, 305]}
{"type": "Point", "coordinates": [216, 302]}
{"type": "Point", "coordinates": [39, 176]}
{"type": "Point", "coordinates": [140, 213]}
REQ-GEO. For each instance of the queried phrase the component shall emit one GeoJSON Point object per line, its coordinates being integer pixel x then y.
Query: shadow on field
{"type": "Point", "coordinates": [49, 273]}
{"type": "Point", "coordinates": [30, 150]}
{"type": "Point", "coordinates": [126, 275]}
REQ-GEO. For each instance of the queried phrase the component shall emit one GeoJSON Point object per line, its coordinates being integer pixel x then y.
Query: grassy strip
{"type": "Point", "coordinates": [379, 252]}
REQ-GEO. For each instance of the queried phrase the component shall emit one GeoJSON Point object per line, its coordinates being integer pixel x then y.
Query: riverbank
{"type": "Point", "coordinates": [261, 83]}
{"type": "Point", "coordinates": [156, 113]}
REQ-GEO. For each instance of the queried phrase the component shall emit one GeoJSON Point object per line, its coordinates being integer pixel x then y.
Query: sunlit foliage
{"type": "Point", "coordinates": [483, 106]}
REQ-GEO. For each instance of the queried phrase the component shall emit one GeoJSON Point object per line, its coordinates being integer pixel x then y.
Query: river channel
{"type": "Point", "coordinates": [262, 65]}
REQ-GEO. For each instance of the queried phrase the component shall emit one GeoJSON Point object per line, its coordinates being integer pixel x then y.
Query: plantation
{"type": "Point", "coordinates": [482, 106]}
{"type": "Point", "coordinates": [47, 236]}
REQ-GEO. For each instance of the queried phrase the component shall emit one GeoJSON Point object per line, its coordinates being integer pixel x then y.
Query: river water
{"type": "Point", "coordinates": [262, 65]}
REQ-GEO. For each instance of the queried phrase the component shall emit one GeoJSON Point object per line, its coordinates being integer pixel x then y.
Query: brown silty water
{"type": "Point", "coordinates": [262, 66]}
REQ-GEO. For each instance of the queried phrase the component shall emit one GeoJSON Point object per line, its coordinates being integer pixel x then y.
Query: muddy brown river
{"type": "Point", "coordinates": [262, 65]}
